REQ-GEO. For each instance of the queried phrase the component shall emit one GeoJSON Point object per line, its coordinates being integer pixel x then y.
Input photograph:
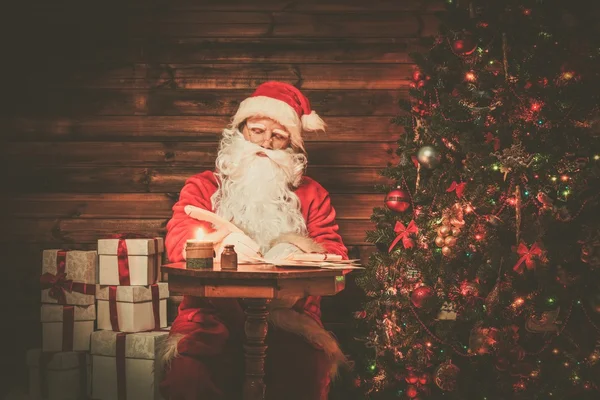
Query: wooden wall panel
{"type": "Point", "coordinates": [280, 50]}
{"type": "Point", "coordinates": [178, 154]}
{"type": "Point", "coordinates": [183, 128]}
{"type": "Point", "coordinates": [245, 76]}
{"type": "Point", "coordinates": [163, 179]}
{"type": "Point", "coordinates": [107, 102]}
{"type": "Point", "coordinates": [285, 24]}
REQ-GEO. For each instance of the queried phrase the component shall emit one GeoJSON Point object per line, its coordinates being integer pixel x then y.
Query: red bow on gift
{"type": "Point", "coordinates": [459, 187]}
{"type": "Point", "coordinates": [59, 283]}
{"type": "Point", "coordinates": [527, 256]}
{"type": "Point", "coordinates": [404, 233]}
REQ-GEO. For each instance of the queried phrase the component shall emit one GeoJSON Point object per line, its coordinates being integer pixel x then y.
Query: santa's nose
{"type": "Point", "coordinates": [267, 144]}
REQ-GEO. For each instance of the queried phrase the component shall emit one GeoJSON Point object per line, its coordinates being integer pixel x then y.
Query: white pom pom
{"type": "Point", "coordinates": [312, 122]}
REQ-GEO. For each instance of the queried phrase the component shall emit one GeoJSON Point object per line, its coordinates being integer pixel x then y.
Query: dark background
{"type": "Point", "coordinates": [110, 105]}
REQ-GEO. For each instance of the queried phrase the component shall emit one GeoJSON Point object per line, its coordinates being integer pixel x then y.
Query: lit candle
{"type": "Point", "coordinates": [199, 253]}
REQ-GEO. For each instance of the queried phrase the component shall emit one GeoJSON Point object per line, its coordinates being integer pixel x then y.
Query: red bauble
{"type": "Point", "coordinates": [397, 200]}
{"type": "Point", "coordinates": [412, 378]}
{"type": "Point", "coordinates": [422, 296]}
{"type": "Point", "coordinates": [464, 46]}
{"type": "Point", "coordinates": [411, 391]}
{"type": "Point", "coordinates": [417, 75]}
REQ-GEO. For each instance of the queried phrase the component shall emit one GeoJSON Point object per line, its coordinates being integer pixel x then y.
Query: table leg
{"type": "Point", "coordinates": [255, 349]}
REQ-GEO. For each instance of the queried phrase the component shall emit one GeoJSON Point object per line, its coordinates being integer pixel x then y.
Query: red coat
{"type": "Point", "coordinates": [203, 327]}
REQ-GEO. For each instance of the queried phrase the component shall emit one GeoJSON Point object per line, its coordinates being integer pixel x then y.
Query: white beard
{"type": "Point", "coordinates": [256, 193]}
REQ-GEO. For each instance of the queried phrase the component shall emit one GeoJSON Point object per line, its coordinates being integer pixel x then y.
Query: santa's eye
{"type": "Point", "coordinates": [258, 131]}
{"type": "Point", "coordinates": [278, 137]}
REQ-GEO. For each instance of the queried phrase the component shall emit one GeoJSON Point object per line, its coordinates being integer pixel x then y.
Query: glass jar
{"type": "Point", "coordinates": [229, 260]}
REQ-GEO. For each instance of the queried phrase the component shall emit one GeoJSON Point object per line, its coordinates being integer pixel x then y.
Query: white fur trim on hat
{"type": "Point", "coordinates": [312, 122]}
{"type": "Point", "coordinates": [277, 110]}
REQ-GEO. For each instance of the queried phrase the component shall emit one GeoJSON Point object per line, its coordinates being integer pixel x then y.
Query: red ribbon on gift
{"type": "Point", "coordinates": [155, 305]}
{"type": "Point", "coordinates": [458, 187]}
{"type": "Point", "coordinates": [123, 256]}
{"type": "Point", "coordinates": [114, 313]}
{"type": "Point", "coordinates": [527, 256]}
{"type": "Point", "coordinates": [404, 234]}
{"type": "Point", "coordinates": [120, 360]}
{"type": "Point", "coordinates": [68, 328]}
{"type": "Point", "coordinates": [112, 307]}
{"type": "Point", "coordinates": [59, 284]}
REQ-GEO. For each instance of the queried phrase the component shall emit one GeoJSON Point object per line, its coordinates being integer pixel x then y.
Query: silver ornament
{"type": "Point", "coordinates": [429, 157]}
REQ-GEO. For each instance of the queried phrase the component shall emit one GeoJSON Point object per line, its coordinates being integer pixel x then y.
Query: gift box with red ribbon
{"type": "Point", "coordinates": [126, 366]}
{"type": "Point", "coordinates": [69, 277]}
{"type": "Point", "coordinates": [67, 328]}
{"type": "Point", "coordinates": [132, 308]}
{"type": "Point", "coordinates": [127, 261]}
{"type": "Point", "coordinates": [59, 376]}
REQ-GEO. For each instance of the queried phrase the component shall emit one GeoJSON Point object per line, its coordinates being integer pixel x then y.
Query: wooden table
{"type": "Point", "coordinates": [256, 285]}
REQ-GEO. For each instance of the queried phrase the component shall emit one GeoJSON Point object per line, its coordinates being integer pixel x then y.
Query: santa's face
{"type": "Point", "coordinates": [257, 181]}
{"type": "Point", "coordinates": [266, 133]}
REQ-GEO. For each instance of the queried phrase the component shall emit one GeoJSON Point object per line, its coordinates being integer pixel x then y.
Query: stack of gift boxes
{"type": "Point", "coordinates": [117, 289]}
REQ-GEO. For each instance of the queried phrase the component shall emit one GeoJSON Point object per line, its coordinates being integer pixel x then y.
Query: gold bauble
{"type": "Point", "coordinates": [455, 231]}
{"type": "Point", "coordinates": [446, 251]}
{"type": "Point", "coordinates": [444, 230]}
{"type": "Point", "coordinates": [439, 241]}
{"type": "Point", "coordinates": [450, 241]}
{"type": "Point", "coordinates": [459, 223]}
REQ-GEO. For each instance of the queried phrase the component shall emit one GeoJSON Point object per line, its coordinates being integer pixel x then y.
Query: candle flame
{"type": "Point", "coordinates": [200, 234]}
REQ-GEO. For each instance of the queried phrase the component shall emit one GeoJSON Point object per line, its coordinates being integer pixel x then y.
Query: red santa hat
{"type": "Point", "coordinates": [285, 104]}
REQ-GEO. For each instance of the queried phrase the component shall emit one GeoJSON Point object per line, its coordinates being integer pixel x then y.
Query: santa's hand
{"type": "Point", "coordinates": [246, 248]}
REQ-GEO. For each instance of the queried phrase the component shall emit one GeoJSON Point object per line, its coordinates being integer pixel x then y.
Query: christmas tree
{"type": "Point", "coordinates": [486, 279]}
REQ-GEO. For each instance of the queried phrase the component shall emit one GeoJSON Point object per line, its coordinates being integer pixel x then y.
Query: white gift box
{"type": "Point", "coordinates": [79, 266]}
{"type": "Point", "coordinates": [67, 328]}
{"type": "Point", "coordinates": [143, 258]}
{"type": "Point", "coordinates": [136, 370]}
{"type": "Point", "coordinates": [135, 307]}
{"type": "Point", "coordinates": [59, 376]}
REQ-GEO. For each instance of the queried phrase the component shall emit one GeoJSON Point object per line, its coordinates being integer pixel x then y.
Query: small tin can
{"type": "Point", "coordinates": [199, 255]}
{"type": "Point", "coordinates": [229, 260]}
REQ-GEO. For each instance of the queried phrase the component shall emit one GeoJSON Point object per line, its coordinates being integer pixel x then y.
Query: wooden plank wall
{"type": "Point", "coordinates": [114, 104]}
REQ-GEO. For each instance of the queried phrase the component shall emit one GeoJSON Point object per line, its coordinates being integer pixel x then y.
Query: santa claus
{"type": "Point", "coordinates": [258, 185]}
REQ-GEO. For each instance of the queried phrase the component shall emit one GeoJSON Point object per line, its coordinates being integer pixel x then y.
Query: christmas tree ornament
{"type": "Point", "coordinates": [446, 376]}
{"type": "Point", "coordinates": [404, 234]}
{"type": "Point", "coordinates": [422, 296]}
{"type": "Point", "coordinates": [440, 241]}
{"type": "Point", "coordinates": [411, 273]}
{"type": "Point", "coordinates": [447, 312]}
{"type": "Point", "coordinates": [411, 391]}
{"type": "Point", "coordinates": [429, 157]}
{"type": "Point", "coordinates": [464, 45]}
{"type": "Point", "coordinates": [546, 322]}
{"type": "Point", "coordinates": [446, 251]}
{"type": "Point", "coordinates": [450, 241]}
{"type": "Point", "coordinates": [444, 231]}
{"type": "Point", "coordinates": [398, 200]}
{"type": "Point", "coordinates": [590, 249]}
{"type": "Point", "coordinates": [480, 340]}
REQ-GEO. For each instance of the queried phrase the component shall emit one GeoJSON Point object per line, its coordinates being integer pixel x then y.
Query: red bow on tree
{"type": "Point", "coordinates": [459, 187]}
{"type": "Point", "coordinates": [404, 233]}
{"type": "Point", "coordinates": [489, 138]}
{"type": "Point", "coordinates": [527, 256]}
